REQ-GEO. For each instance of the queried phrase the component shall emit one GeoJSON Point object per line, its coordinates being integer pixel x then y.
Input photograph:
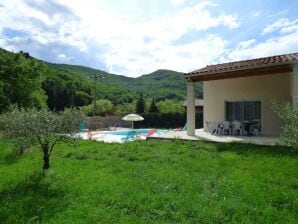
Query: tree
{"type": "Point", "coordinates": [43, 128]}
{"type": "Point", "coordinates": [153, 108]}
{"type": "Point", "coordinates": [103, 107]}
{"type": "Point", "coordinates": [82, 98]}
{"type": "Point", "coordinates": [289, 115]}
{"type": "Point", "coordinates": [61, 94]}
{"type": "Point", "coordinates": [126, 108]}
{"type": "Point", "coordinates": [170, 106]}
{"type": "Point", "coordinates": [20, 81]}
{"type": "Point", "coordinates": [140, 106]}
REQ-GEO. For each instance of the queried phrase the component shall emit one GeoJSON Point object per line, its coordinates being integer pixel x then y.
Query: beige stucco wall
{"type": "Point", "coordinates": [264, 88]}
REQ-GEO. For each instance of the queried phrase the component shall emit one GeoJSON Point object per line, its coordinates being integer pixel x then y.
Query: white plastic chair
{"type": "Point", "coordinates": [237, 126]}
{"type": "Point", "coordinates": [226, 126]}
{"type": "Point", "coordinates": [212, 127]}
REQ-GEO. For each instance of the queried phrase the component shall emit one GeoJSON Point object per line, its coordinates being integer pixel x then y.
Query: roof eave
{"type": "Point", "coordinates": [241, 72]}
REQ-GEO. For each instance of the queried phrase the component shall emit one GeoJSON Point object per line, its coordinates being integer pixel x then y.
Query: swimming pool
{"type": "Point", "coordinates": [124, 133]}
{"type": "Point", "coordinates": [115, 136]}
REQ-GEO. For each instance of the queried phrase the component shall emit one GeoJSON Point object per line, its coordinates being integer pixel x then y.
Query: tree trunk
{"type": "Point", "coordinates": [46, 157]}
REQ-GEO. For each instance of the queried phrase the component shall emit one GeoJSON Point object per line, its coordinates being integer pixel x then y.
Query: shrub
{"type": "Point", "coordinates": [289, 115]}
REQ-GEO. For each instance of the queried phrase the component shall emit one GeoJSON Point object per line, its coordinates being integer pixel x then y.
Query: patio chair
{"type": "Point", "coordinates": [226, 126]}
{"type": "Point", "coordinates": [83, 127]}
{"type": "Point", "coordinates": [237, 127]}
{"type": "Point", "coordinates": [131, 135]}
{"type": "Point", "coordinates": [209, 127]}
{"type": "Point", "coordinates": [212, 127]}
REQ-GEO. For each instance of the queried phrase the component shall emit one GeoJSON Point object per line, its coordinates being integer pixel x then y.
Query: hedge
{"type": "Point", "coordinates": [167, 120]}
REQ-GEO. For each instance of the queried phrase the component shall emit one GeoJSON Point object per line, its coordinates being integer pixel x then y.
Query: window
{"type": "Point", "coordinates": [243, 111]}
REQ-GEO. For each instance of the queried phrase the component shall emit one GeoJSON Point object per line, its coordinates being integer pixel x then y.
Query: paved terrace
{"type": "Point", "coordinates": [200, 134]}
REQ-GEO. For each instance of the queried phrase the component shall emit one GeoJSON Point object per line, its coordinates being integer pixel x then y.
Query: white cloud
{"type": "Point", "coordinates": [229, 21]}
{"type": "Point", "coordinates": [186, 57]}
{"type": "Point", "coordinates": [61, 56]}
{"type": "Point", "coordinates": [124, 43]}
{"type": "Point", "coordinates": [283, 24]}
{"type": "Point", "coordinates": [246, 44]}
{"type": "Point", "coordinates": [287, 43]}
{"type": "Point", "coordinates": [64, 57]}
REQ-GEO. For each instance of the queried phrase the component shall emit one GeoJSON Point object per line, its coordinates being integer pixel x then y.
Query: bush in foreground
{"type": "Point", "coordinates": [289, 115]}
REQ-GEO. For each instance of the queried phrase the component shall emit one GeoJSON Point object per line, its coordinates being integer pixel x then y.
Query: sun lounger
{"type": "Point", "coordinates": [130, 136]}
{"type": "Point", "coordinates": [152, 132]}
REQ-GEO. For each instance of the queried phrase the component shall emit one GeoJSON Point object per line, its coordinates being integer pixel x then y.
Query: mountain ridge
{"type": "Point", "coordinates": [160, 84]}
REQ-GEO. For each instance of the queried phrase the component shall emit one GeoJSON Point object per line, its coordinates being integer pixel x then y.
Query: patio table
{"type": "Point", "coordinates": [247, 126]}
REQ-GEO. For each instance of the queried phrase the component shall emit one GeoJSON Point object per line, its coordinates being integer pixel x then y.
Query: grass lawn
{"type": "Point", "coordinates": [150, 182]}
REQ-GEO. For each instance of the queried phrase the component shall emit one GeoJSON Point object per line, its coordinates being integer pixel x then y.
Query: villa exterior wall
{"type": "Point", "coordinates": [266, 88]}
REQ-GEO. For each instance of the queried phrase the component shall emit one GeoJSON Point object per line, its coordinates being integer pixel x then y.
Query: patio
{"type": "Point", "coordinates": [200, 134]}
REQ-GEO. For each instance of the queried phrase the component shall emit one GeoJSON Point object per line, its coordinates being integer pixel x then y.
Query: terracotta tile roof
{"type": "Point", "coordinates": [247, 64]}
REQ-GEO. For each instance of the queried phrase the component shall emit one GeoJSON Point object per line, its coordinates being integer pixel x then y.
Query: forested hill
{"type": "Point", "coordinates": [161, 84]}
{"type": "Point", "coordinates": [28, 82]}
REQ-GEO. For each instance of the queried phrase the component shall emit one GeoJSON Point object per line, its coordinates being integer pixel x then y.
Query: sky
{"type": "Point", "coordinates": [136, 37]}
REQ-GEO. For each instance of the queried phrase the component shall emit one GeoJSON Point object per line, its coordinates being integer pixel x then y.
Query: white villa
{"type": "Point", "coordinates": [245, 90]}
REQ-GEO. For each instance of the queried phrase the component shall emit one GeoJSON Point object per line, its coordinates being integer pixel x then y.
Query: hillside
{"type": "Point", "coordinates": [107, 78]}
{"type": "Point", "coordinates": [61, 85]}
{"type": "Point", "coordinates": [26, 81]}
{"type": "Point", "coordinates": [164, 84]}
{"type": "Point", "coordinates": [161, 84]}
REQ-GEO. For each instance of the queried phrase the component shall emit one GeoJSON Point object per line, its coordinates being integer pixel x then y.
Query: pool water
{"type": "Point", "coordinates": [124, 133]}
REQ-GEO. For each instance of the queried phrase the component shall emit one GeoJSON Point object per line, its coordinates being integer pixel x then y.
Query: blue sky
{"type": "Point", "coordinates": [135, 37]}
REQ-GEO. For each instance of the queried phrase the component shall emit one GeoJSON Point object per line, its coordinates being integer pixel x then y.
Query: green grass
{"type": "Point", "coordinates": [150, 182]}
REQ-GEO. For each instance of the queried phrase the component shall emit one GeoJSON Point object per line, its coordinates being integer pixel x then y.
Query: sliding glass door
{"type": "Point", "coordinates": [244, 111]}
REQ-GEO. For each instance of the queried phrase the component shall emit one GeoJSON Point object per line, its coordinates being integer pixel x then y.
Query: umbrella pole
{"type": "Point", "coordinates": [131, 124]}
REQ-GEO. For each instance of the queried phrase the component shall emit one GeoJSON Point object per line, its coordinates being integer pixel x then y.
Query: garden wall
{"type": "Point", "coordinates": [104, 122]}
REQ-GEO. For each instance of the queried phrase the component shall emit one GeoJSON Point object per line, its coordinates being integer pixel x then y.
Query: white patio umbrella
{"type": "Point", "coordinates": [132, 118]}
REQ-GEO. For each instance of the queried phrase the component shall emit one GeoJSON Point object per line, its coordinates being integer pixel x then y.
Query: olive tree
{"type": "Point", "coordinates": [40, 127]}
{"type": "Point", "coordinates": [289, 116]}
